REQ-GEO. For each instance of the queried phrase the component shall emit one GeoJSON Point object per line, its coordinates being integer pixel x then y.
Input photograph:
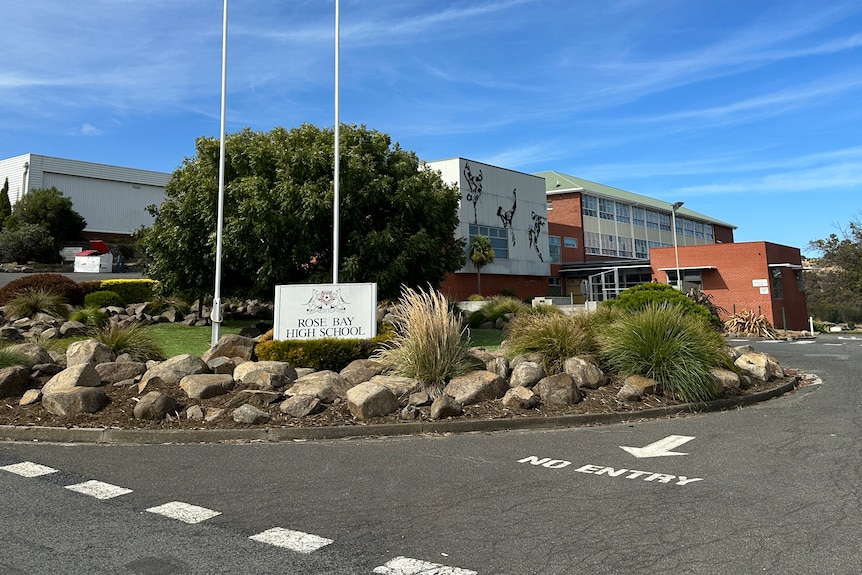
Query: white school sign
{"type": "Point", "coordinates": [315, 311]}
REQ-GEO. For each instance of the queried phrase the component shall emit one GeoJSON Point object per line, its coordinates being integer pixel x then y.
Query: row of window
{"type": "Point", "coordinates": [610, 245]}
{"type": "Point", "coordinates": [607, 209]}
{"type": "Point", "coordinates": [499, 238]}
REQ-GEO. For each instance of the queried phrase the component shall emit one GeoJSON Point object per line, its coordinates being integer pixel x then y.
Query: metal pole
{"type": "Point", "coordinates": [337, 167]}
{"type": "Point", "coordinates": [673, 210]}
{"type": "Point", "coordinates": [215, 314]}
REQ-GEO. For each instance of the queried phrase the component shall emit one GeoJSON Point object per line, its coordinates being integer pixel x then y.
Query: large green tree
{"type": "Point", "coordinates": [397, 219]}
{"type": "Point", "coordinates": [49, 208]}
{"type": "Point", "coordinates": [834, 286]}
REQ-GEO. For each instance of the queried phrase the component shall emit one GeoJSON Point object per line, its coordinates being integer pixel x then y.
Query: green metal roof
{"type": "Point", "coordinates": [557, 182]}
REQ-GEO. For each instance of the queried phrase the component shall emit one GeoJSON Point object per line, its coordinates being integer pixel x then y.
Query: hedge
{"type": "Point", "coordinates": [131, 291]}
{"type": "Point", "coordinates": [327, 353]}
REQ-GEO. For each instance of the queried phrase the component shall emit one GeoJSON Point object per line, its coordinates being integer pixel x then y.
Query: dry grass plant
{"type": "Point", "coordinates": [556, 336]}
{"type": "Point", "coordinates": [37, 300]}
{"type": "Point", "coordinates": [430, 343]}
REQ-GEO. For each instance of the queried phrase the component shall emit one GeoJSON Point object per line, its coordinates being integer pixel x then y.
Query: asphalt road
{"type": "Point", "coordinates": [772, 488]}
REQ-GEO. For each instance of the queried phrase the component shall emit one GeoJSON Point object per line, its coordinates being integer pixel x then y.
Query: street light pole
{"type": "Point", "coordinates": [673, 209]}
{"type": "Point", "coordinates": [216, 313]}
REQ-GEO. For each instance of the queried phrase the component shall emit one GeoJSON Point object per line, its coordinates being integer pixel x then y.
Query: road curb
{"type": "Point", "coordinates": [273, 435]}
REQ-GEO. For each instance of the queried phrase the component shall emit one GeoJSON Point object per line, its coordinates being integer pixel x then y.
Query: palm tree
{"type": "Point", "coordinates": [481, 254]}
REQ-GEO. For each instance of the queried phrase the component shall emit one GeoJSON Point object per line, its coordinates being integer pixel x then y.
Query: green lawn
{"type": "Point", "coordinates": [487, 338]}
{"type": "Point", "coordinates": [177, 339]}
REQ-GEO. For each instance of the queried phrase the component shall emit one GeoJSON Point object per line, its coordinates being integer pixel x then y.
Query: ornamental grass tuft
{"type": "Point", "coordinates": [132, 339]}
{"type": "Point", "coordinates": [31, 301]}
{"type": "Point", "coordinates": [556, 336]}
{"type": "Point", "coordinates": [430, 344]}
{"type": "Point", "coordinates": [662, 342]}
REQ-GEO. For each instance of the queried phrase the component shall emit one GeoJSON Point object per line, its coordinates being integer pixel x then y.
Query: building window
{"type": "Point", "coordinates": [622, 213]}
{"type": "Point", "coordinates": [698, 229]}
{"type": "Point", "coordinates": [641, 249]}
{"type": "Point", "coordinates": [639, 217]}
{"type": "Point", "coordinates": [624, 246]}
{"type": "Point", "coordinates": [608, 245]}
{"type": "Point", "coordinates": [549, 205]}
{"type": "Point", "coordinates": [499, 238]}
{"type": "Point", "coordinates": [688, 227]}
{"type": "Point", "coordinates": [710, 235]}
{"type": "Point", "coordinates": [664, 220]}
{"type": "Point", "coordinates": [606, 209]}
{"type": "Point", "coordinates": [652, 219]}
{"type": "Point", "coordinates": [555, 286]}
{"type": "Point", "coordinates": [555, 250]}
{"type": "Point", "coordinates": [570, 243]}
{"type": "Point", "coordinates": [777, 287]}
{"type": "Point", "coordinates": [800, 281]}
{"type": "Point", "coordinates": [592, 244]}
{"type": "Point", "coordinates": [590, 206]}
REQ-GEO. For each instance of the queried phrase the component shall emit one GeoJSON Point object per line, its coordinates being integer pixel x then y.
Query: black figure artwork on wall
{"type": "Point", "coordinates": [475, 185]}
{"type": "Point", "coordinates": [506, 217]}
{"type": "Point", "coordinates": [536, 231]}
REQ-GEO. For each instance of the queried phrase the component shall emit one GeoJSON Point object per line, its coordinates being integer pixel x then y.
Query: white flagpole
{"type": "Point", "coordinates": [216, 314]}
{"type": "Point", "coordinates": [336, 178]}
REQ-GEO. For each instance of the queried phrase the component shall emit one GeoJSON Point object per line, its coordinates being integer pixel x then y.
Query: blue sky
{"type": "Point", "coordinates": [746, 111]}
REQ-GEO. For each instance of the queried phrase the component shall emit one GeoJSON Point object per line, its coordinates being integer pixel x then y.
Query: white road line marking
{"type": "Point", "coordinates": [802, 342]}
{"type": "Point", "coordinates": [184, 512]}
{"type": "Point", "coordinates": [293, 540]}
{"type": "Point", "coordinates": [29, 469]}
{"type": "Point", "coordinates": [407, 566]}
{"type": "Point", "coordinates": [98, 489]}
{"type": "Point", "coordinates": [834, 344]}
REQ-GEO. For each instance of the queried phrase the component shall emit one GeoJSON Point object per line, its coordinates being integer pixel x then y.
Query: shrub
{"type": "Point", "coordinates": [475, 297]}
{"type": "Point", "coordinates": [32, 301]}
{"type": "Point", "coordinates": [663, 342]}
{"type": "Point", "coordinates": [90, 316]}
{"type": "Point", "coordinates": [159, 304]}
{"type": "Point", "coordinates": [556, 336]}
{"type": "Point", "coordinates": [327, 353]}
{"type": "Point", "coordinates": [132, 339]}
{"type": "Point", "coordinates": [27, 243]}
{"type": "Point", "coordinates": [89, 286]}
{"type": "Point", "coordinates": [54, 283]}
{"type": "Point", "coordinates": [640, 296]}
{"type": "Point", "coordinates": [746, 322]}
{"type": "Point", "coordinates": [132, 291]}
{"type": "Point", "coordinates": [48, 208]}
{"type": "Point", "coordinates": [429, 343]}
{"type": "Point", "coordinates": [495, 308]}
{"type": "Point", "coordinates": [103, 298]}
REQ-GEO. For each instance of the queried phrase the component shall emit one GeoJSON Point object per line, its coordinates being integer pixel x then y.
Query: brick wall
{"type": "Point", "coordinates": [463, 285]}
{"type": "Point", "coordinates": [737, 266]}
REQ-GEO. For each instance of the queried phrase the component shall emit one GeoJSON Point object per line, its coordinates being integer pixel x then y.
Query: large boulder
{"type": "Point", "coordinates": [206, 385]}
{"type": "Point", "coordinates": [446, 406]}
{"type": "Point", "coordinates": [527, 374]}
{"type": "Point", "coordinates": [115, 372]}
{"type": "Point", "coordinates": [74, 400]}
{"type": "Point", "coordinates": [520, 398]}
{"type": "Point", "coordinates": [80, 375]}
{"type": "Point", "coordinates": [172, 370]}
{"type": "Point", "coordinates": [400, 386]}
{"type": "Point", "coordinates": [586, 373]}
{"type": "Point", "coordinates": [558, 390]}
{"type": "Point", "coordinates": [34, 353]}
{"type": "Point", "coordinates": [360, 370]}
{"type": "Point", "coordinates": [155, 406]}
{"type": "Point", "coordinates": [635, 387]}
{"type": "Point", "coordinates": [14, 381]}
{"type": "Point", "coordinates": [249, 372]}
{"type": "Point", "coordinates": [231, 345]}
{"type": "Point", "coordinates": [368, 399]}
{"type": "Point", "coordinates": [88, 351]}
{"type": "Point", "coordinates": [759, 366]}
{"type": "Point", "coordinates": [475, 387]}
{"type": "Point", "coordinates": [250, 415]}
{"type": "Point", "coordinates": [325, 385]}
{"type": "Point", "coordinates": [300, 405]}
{"type": "Point", "coordinates": [724, 380]}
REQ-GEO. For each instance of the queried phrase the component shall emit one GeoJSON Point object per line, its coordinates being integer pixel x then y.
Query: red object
{"type": "Point", "coordinates": [100, 247]}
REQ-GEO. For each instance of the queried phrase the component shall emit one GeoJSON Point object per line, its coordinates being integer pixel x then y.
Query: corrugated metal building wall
{"type": "Point", "coordinates": [111, 198]}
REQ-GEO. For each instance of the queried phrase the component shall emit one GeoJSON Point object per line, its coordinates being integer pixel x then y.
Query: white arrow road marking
{"type": "Point", "coordinates": [660, 448]}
